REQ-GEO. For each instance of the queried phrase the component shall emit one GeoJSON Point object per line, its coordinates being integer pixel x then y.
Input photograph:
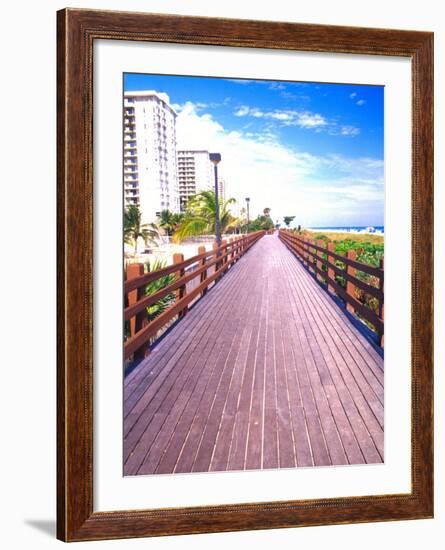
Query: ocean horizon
{"type": "Point", "coordinates": [369, 229]}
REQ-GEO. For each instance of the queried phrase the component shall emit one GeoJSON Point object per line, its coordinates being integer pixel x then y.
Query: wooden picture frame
{"type": "Point", "coordinates": [77, 31]}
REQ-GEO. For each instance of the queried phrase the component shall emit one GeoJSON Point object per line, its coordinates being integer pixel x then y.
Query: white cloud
{"type": "Point", "coordinates": [349, 131]}
{"type": "Point", "coordinates": [317, 190]}
{"type": "Point", "coordinates": [242, 111]}
{"type": "Point", "coordinates": [303, 119]}
{"type": "Point", "coordinates": [309, 120]}
{"type": "Point", "coordinates": [281, 116]}
{"type": "Point", "coordinates": [243, 81]}
{"type": "Point", "coordinates": [277, 86]}
{"type": "Point", "coordinates": [359, 102]}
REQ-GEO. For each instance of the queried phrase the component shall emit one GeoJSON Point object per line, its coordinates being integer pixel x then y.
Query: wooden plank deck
{"type": "Point", "coordinates": [266, 371]}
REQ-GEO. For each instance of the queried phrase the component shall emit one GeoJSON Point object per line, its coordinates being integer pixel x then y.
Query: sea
{"type": "Point", "coordinates": [366, 229]}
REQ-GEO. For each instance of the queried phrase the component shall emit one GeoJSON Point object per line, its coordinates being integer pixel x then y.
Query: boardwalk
{"type": "Point", "coordinates": [266, 371]}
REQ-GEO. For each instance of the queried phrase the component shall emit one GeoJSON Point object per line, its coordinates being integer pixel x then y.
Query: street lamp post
{"type": "Point", "coordinates": [215, 158]}
{"type": "Point", "coordinates": [248, 216]}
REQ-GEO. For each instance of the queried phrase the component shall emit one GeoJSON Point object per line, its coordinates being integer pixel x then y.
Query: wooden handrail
{"type": "Point", "coordinates": [369, 269]}
{"type": "Point", "coordinates": [315, 257]}
{"type": "Point", "coordinates": [151, 276]}
{"type": "Point", "coordinates": [151, 299]}
{"type": "Point", "coordinates": [221, 259]}
{"type": "Point", "coordinates": [375, 291]}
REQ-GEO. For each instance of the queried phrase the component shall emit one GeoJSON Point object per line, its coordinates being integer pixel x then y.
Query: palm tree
{"type": "Point", "coordinates": [177, 219]}
{"type": "Point", "coordinates": [199, 217]}
{"type": "Point", "coordinates": [288, 219]}
{"type": "Point", "coordinates": [167, 221]}
{"type": "Point", "coordinates": [135, 229]}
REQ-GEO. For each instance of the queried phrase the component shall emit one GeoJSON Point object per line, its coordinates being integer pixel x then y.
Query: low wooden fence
{"type": "Point", "coordinates": [208, 266]}
{"type": "Point", "coordinates": [324, 263]}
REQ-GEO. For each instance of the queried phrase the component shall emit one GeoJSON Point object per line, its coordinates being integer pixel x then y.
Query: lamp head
{"type": "Point", "coordinates": [215, 158]}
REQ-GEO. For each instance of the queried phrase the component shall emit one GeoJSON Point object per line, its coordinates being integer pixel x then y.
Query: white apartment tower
{"type": "Point", "coordinates": [195, 173]}
{"type": "Point", "coordinates": [150, 171]}
{"type": "Point", "coordinates": [222, 190]}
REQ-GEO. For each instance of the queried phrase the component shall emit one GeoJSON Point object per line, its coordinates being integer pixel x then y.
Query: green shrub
{"type": "Point", "coordinates": [161, 305]}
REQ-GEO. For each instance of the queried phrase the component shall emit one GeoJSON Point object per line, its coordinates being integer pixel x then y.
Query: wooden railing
{"type": "Point", "coordinates": [198, 272]}
{"type": "Point", "coordinates": [323, 262]}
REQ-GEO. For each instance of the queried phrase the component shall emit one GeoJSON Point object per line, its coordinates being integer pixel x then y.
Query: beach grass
{"type": "Point", "coordinates": [334, 236]}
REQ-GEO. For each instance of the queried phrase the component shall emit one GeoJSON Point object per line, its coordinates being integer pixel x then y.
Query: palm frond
{"type": "Point", "coordinates": [200, 216]}
{"type": "Point", "coordinates": [191, 227]}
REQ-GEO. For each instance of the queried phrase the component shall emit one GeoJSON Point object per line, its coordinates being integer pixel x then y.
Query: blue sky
{"type": "Point", "coordinates": [312, 150]}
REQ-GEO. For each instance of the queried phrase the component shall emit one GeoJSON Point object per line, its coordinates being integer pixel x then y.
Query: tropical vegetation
{"type": "Point", "coordinates": [152, 287]}
{"type": "Point", "coordinates": [261, 222]}
{"type": "Point", "coordinates": [161, 305]}
{"type": "Point", "coordinates": [170, 221]}
{"type": "Point", "coordinates": [134, 229]}
{"type": "Point", "coordinates": [369, 250]}
{"type": "Point", "coordinates": [199, 217]}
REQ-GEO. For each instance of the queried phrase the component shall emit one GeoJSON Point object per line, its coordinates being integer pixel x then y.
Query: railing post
{"type": "Point", "coordinates": [232, 250]}
{"type": "Point", "coordinates": [331, 272]}
{"type": "Point", "coordinates": [310, 256]}
{"type": "Point", "coordinates": [319, 261]}
{"type": "Point", "coordinates": [223, 254]}
{"type": "Point", "coordinates": [381, 302]}
{"type": "Point", "coordinates": [298, 250]}
{"type": "Point", "coordinates": [180, 293]}
{"type": "Point", "coordinates": [306, 252]}
{"type": "Point", "coordinates": [299, 247]}
{"type": "Point", "coordinates": [350, 287]}
{"type": "Point", "coordinates": [202, 250]}
{"type": "Point", "coordinates": [215, 252]}
{"type": "Point", "coordinates": [140, 320]}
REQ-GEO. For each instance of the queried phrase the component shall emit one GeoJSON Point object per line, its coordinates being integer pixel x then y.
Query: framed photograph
{"type": "Point", "coordinates": [245, 263]}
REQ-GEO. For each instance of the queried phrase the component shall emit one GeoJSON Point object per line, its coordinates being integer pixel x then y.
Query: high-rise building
{"type": "Point", "coordinates": [150, 170]}
{"type": "Point", "coordinates": [195, 173]}
{"type": "Point", "coordinates": [222, 190]}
